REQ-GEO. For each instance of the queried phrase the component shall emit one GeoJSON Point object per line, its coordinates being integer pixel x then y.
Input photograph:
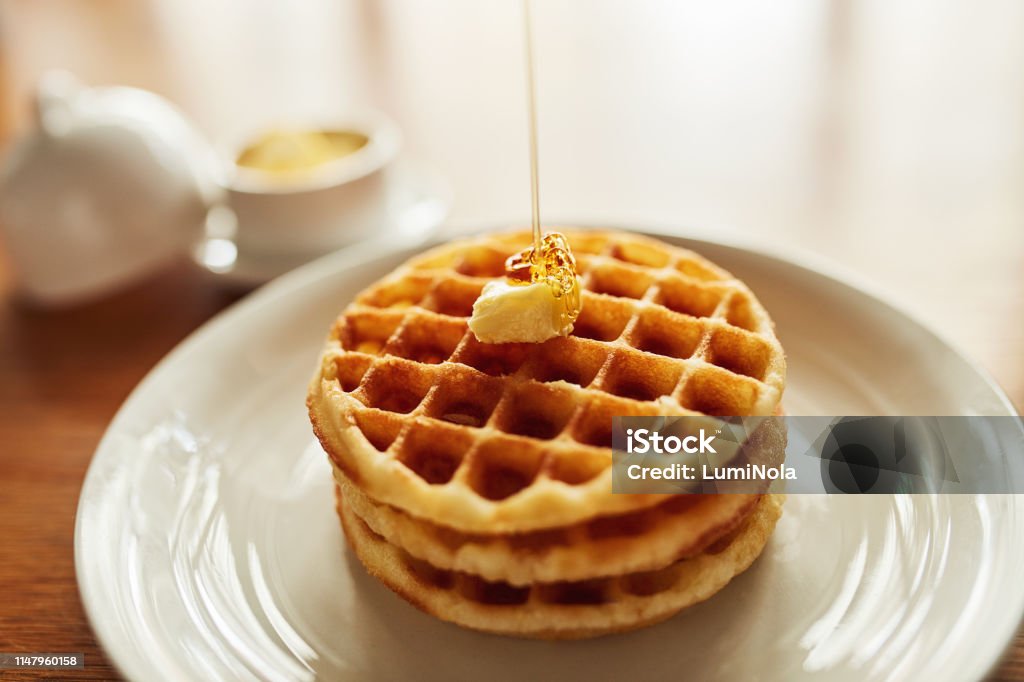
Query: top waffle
{"type": "Point", "coordinates": [517, 437]}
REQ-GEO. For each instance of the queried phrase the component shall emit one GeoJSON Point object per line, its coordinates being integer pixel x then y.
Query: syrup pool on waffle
{"type": "Point", "coordinates": [537, 300]}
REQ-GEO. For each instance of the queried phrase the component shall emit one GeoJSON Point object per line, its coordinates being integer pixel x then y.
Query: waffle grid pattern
{"type": "Point", "coordinates": [661, 331]}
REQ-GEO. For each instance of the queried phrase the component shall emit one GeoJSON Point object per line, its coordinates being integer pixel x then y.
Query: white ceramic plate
{"type": "Point", "coordinates": [207, 546]}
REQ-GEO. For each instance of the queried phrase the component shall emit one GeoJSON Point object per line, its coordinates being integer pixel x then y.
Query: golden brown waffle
{"type": "Point", "coordinates": [516, 437]}
{"type": "Point", "coordinates": [682, 526]}
{"type": "Point", "coordinates": [567, 609]}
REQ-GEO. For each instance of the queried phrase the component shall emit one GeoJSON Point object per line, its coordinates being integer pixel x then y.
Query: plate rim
{"type": "Point", "coordinates": [113, 639]}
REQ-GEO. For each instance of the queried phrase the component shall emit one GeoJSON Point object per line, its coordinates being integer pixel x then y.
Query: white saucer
{"type": "Point", "coordinates": [419, 204]}
{"type": "Point", "coordinates": [207, 547]}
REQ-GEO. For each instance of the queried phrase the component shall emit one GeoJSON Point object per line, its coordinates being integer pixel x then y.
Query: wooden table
{"type": "Point", "coordinates": [826, 127]}
{"type": "Point", "coordinates": [64, 376]}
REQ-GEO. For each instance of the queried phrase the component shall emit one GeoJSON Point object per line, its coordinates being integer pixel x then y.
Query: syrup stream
{"type": "Point", "coordinates": [531, 92]}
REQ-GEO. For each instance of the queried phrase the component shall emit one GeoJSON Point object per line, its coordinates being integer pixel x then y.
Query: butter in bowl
{"type": "Point", "coordinates": [291, 154]}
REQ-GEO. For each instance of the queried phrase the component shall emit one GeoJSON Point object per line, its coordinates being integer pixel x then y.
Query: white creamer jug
{"type": "Point", "coordinates": [112, 182]}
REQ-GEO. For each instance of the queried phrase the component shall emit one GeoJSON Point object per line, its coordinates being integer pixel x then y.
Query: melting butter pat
{"type": "Point", "coordinates": [509, 312]}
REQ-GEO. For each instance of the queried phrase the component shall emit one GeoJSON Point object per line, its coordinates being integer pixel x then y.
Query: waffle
{"type": "Point", "coordinates": [515, 438]}
{"type": "Point", "coordinates": [566, 609]}
{"type": "Point", "coordinates": [474, 479]}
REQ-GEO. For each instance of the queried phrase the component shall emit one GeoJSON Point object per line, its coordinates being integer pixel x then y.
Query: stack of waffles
{"type": "Point", "coordinates": [475, 479]}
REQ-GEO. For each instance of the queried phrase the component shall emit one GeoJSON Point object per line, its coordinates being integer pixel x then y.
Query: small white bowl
{"type": "Point", "coordinates": [322, 209]}
{"type": "Point", "coordinates": [417, 205]}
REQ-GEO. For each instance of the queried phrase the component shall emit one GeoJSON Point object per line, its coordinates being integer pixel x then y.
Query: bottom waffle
{"type": "Point", "coordinates": [563, 610]}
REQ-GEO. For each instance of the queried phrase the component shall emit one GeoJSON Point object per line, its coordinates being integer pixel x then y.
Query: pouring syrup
{"type": "Point", "coordinates": [549, 259]}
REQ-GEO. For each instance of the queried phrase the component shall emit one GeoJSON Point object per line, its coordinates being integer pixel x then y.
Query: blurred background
{"type": "Point", "coordinates": [885, 137]}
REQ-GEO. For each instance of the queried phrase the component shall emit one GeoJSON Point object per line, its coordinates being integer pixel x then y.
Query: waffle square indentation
{"type": "Point", "coordinates": [394, 385]}
{"type": "Point", "coordinates": [566, 359]}
{"type": "Point", "coordinates": [502, 466]}
{"type": "Point", "coordinates": [535, 410]}
{"type": "Point", "coordinates": [688, 298]}
{"type": "Point", "coordinates": [491, 358]}
{"type": "Point", "coordinates": [694, 269]}
{"type": "Point", "coordinates": [380, 428]}
{"type": "Point", "coordinates": [618, 280]}
{"type": "Point", "coordinates": [575, 467]}
{"type": "Point", "coordinates": [434, 452]}
{"type": "Point", "coordinates": [593, 425]}
{"type": "Point", "coordinates": [588, 244]}
{"type": "Point", "coordinates": [454, 297]}
{"type": "Point", "coordinates": [427, 339]}
{"type": "Point", "coordinates": [640, 377]}
{"type": "Point", "coordinates": [464, 397]}
{"type": "Point", "coordinates": [397, 293]}
{"type": "Point", "coordinates": [741, 313]}
{"type": "Point", "coordinates": [349, 369]}
{"type": "Point", "coordinates": [481, 261]}
{"type": "Point", "coordinates": [367, 331]}
{"type": "Point", "coordinates": [602, 319]}
{"type": "Point", "coordinates": [637, 253]}
{"type": "Point", "coordinates": [663, 333]}
{"type": "Point", "coordinates": [719, 392]}
{"type": "Point", "coordinates": [740, 352]}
